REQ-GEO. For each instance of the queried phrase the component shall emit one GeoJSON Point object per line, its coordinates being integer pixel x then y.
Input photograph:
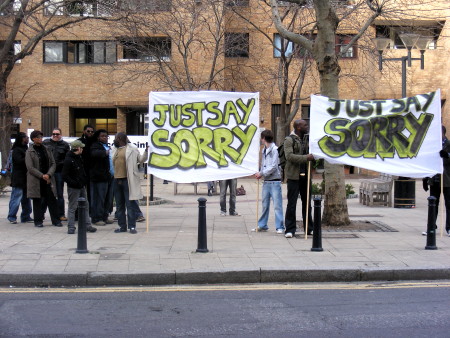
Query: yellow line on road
{"type": "Point", "coordinates": [240, 287]}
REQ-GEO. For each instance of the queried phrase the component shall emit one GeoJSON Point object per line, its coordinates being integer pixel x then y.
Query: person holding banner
{"type": "Point", "coordinates": [296, 149]}
{"type": "Point", "coordinates": [435, 182]}
{"type": "Point", "coordinates": [271, 172]}
{"type": "Point", "coordinates": [127, 186]}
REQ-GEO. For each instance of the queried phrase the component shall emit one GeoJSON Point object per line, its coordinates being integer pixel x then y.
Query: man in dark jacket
{"type": "Point", "coordinates": [59, 149]}
{"type": "Point", "coordinates": [74, 175]}
{"type": "Point", "coordinates": [101, 176]}
{"type": "Point", "coordinates": [19, 182]}
{"type": "Point", "coordinates": [87, 138]}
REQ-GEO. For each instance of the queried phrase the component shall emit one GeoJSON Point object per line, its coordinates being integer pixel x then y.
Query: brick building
{"type": "Point", "coordinates": [96, 72]}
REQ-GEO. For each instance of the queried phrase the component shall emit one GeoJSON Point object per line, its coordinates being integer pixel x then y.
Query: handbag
{"type": "Point", "coordinates": [240, 191]}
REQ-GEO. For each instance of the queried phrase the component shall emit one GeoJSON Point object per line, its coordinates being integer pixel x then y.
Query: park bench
{"type": "Point", "coordinates": [376, 191]}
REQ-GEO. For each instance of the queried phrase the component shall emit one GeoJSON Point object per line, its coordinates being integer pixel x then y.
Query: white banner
{"type": "Point", "coordinates": [399, 137]}
{"type": "Point", "coordinates": [203, 136]}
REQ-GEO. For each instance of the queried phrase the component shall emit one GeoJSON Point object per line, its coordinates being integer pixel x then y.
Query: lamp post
{"type": "Point", "coordinates": [410, 40]}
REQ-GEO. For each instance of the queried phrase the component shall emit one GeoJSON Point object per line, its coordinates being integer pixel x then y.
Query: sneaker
{"type": "Point", "coordinates": [223, 213]}
{"type": "Point", "coordinates": [209, 193]}
{"type": "Point", "coordinates": [120, 230]}
{"type": "Point", "coordinates": [133, 231]}
{"type": "Point", "coordinates": [90, 228]}
{"type": "Point", "coordinates": [424, 233]}
{"type": "Point", "coordinates": [448, 233]}
{"type": "Point", "coordinates": [30, 220]}
{"type": "Point", "coordinates": [234, 214]}
{"type": "Point", "coordinates": [58, 224]}
{"type": "Point", "coordinates": [63, 218]}
{"type": "Point", "coordinates": [289, 235]}
{"type": "Point", "coordinates": [99, 223]}
{"type": "Point", "coordinates": [260, 229]}
{"type": "Point", "coordinates": [140, 219]}
{"type": "Point", "coordinates": [280, 231]}
{"type": "Point", "coordinates": [12, 222]}
{"type": "Point", "coordinates": [39, 225]}
{"type": "Point", "coordinates": [71, 231]}
{"type": "Point", "coordinates": [108, 221]}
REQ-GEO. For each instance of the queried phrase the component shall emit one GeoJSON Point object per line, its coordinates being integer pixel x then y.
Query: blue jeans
{"type": "Point", "coordinates": [122, 196]}
{"type": "Point", "coordinates": [271, 189]}
{"type": "Point", "coordinates": [100, 201]}
{"type": "Point", "coordinates": [19, 196]}
{"type": "Point", "coordinates": [232, 183]}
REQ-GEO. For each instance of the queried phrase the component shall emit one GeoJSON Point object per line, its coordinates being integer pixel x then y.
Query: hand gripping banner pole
{"type": "Point", "coordinates": [308, 200]}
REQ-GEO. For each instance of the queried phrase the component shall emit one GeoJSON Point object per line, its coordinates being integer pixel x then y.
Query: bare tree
{"type": "Point", "coordinates": [30, 21]}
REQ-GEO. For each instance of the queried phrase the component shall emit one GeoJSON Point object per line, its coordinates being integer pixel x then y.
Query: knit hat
{"type": "Point", "coordinates": [77, 144]}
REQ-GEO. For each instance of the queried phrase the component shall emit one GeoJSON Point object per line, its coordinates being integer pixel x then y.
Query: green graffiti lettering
{"type": "Point", "coordinates": [379, 144]}
{"type": "Point", "coordinates": [429, 97]}
{"type": "Point", "coordinates": [187, 143]}
{"type": "Point", "coordinates": [337, 107]}
{"type": "Point", "coordinates": [211, 107]}
{"type": "Point", "coordinates": [394, 130]}
{"type": "Point", "coordinates": [223, 138]}
{"type": "Point", "coordinates": [352, 111]}
{"type": "Point", "coordinates": [329, 145]}
{"type": "Point", "coordinates": [365, 108]}
{"type": "Point", "coordinates": [162, 109]}
{"type": "Point", "coordinates": [230, 109]}
{"type": "Point", "coordinates": [379, 106]}
{"type": "Point", "coordinates": [175, 115]}
{"type": "Point", "coordinates": [413, 101]}
{"type": "Point", "coordinates": [246, 108]}
{"type": "Point", "coordinates": [245, 136]}
{"type": "Point", "coordinates": [204, 138]}
{"type": "Point", "coordinates": [190, 116]}
{"type": "Point", "coordinates": [418, 128]}
{"type": "Point", "coordinates": [400, 108]}
{"type": "Point", "coordinates": [361, 131]}
{"type": "Point", "coordinates": [163, 161]}
{"type": "Point", "coordinates": [199, 107]}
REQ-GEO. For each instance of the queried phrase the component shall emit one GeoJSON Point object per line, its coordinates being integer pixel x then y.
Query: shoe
{"type": "Point", "coordinates": [140, 219]}
{"type": "Point", "coordinates": [448, 233]}
{"type": "Point", "coordinates": [289, 235]}
{"type": "Point", "coordinates": [209, 193]}
{"type": "Point", "coordinates": [310, 233]}
{"type": "Point", "coordinates": [71, 231]}
{"type": "Point", "coordinates": [108, 221]}
{"type": "Point", "coordinates": [223, 213]}
{"type": "Point", "coordinates": [90, 228]}
{"type": "Point", "coordinates": [280, 231]}
{"type": "Point", "coordinates": [120, 230]}
{"type": "Point", "coordinates": [424, 233]}
{"type": "Point", "coordinates": [260, 230]}
{"type": "Point", "coordinates": [30, 220]}
{"type": "Point", "coordinates": [99, 223]}
{"type": "Point", "coordinates": [58, 224]}
{"type": "Point", "coordinates": [234, 214]}
{"type": "Point", "coordinates": [12, 222]}
{"type": "Point", "coordinates": [133, 231]}
{"type": "Point", "coordinates": [63, 218]}
{"type": "Point", "coordinates": [39, 225]}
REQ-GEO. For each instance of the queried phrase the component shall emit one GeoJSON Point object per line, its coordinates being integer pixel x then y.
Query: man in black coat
{"type": "Point", "coordinates": [87, 139]}
{"type": "Point", "coordinates": [74, 175]}
{"type": "Point", "coordinates": [19, 182]}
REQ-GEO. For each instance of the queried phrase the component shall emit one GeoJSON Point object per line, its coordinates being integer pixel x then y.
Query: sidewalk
{"type": "Point", "coordinates": [166, 254]}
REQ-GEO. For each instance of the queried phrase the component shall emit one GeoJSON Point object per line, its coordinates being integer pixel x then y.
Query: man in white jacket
{"type": "Point", "coordinates": [127, 188]}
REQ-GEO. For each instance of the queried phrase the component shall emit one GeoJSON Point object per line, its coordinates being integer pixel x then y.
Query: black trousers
{"type": "Point", "coordinates": [47, 198]}
{"type": "Point", "coordinates": [435, 190]}
{"type": "Point", "coordinates": [294, 188]}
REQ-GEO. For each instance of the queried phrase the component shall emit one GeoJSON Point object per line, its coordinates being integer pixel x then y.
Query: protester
{"type": "Point", "coordinates": [126, 158]}
{"type": "Point", "coordinates": [74, 175]}
{"type": "Point", "coordinates": [59, 149]}
{"type": "Point", "coordinates": [87, 138]}
{"type": "Point", "coordinates": [296, 149]}
{"type": "Point", "coordinates": [41, 184]}
{"type": "Point", "coordinates": [19, 182]}
{"type": "Point", "coordinates": [224, 184]}
{"type": "Point", "coordinates": [101, 179]}
{"type": "Point", "coordinates": [435, 182]}
{"type": "Point", "coordinates": [271, 173]}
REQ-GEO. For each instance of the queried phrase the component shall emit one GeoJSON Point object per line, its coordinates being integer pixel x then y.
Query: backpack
{"type": "Point", "coordinates": [282, 155]}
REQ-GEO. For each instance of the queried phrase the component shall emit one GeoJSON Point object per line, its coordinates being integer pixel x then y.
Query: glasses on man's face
{"type": "Point", "coordinates": [89, 131]}
{"type": "Point", "coordinates": [55, 134]}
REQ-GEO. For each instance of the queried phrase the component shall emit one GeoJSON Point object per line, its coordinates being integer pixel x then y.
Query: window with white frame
{"type": "Point", "coordinates": [341, 43]}
{"type": "Point", "coordinates": [15, 49]}
{"type": "Point", "coordinates": [282, 46]}
{"type": "Point", "coordinates": [80, 52]}
{"type": "Point", "coordinates": [150, 49]}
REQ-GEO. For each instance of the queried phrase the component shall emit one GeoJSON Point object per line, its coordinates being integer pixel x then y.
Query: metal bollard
{"type": "Point", "coordinates": [82, 241]}
{"type": "Point", "coordinates": [317, 230]}
{"type": "Point", "coordinates": [431, 225]}
{"type": "Point", "coordinates": [201, 243]}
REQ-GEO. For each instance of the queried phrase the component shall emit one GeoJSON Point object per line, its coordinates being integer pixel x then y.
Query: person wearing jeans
{"type": "Point", "coordinates": [271, 172]}
{"type": "Point", "coordinates": [224, 184]}
{"type": "Point", "coordinates": [19, 182]}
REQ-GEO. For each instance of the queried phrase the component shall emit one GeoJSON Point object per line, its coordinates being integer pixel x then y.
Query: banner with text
{"type": "Point", "coordinates": [400, 137]}
{"type": "Point", "coordinates": [203, 136]}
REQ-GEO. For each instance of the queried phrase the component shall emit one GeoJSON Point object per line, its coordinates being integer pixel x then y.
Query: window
{"type": "Point", "coordinates": [146, 5]}
{"type": "Point", "coordinates": [236, 45]}
{"type": "Point", "coordinates": [14, 50]}
{"type": "Point", "coordinates": [79, 52]}
{"type": "Point", "coordinates": [238, 3]}
{"type": "Point", "coordinates": [392, 32]}
{"type": "Point", "coordinates": [341, 42]}
{"type": "Point", "coordinates": [80, 8]}
{"type": "Point", "coordinates": [49, 119]}
{"type": "Point", "coordinates": [10, 7]}
{"type": "Point", "coordinates": [147, 49]}
{"type": "Point", "coordinates": [282, 46]}
{"type": "Point", "coordinates": [54, 7]}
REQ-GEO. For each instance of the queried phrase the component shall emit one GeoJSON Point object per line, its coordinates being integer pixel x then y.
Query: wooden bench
{"type": "Point", "coordinates": [377, 191]}
{"type": "Point", "coordinates": [195, 185]}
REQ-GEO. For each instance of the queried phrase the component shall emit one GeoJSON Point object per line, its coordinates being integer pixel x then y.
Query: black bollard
{"type": "Point", "coordinates": [317, 230]}
{"type": "Point", "coordinates": [431, 225]}
{"type": "Point", "coordinates": [82, 242]}
{"type": "Point", "coordinates": [201, 243]}
{"type": "Point", "coordinates": [151, 187]}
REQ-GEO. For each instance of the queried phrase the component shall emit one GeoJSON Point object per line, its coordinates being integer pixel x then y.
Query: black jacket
{"type": "Point", "coordinates": [99, 166]}
{"type": "Point", "coordinates": [86, 154]}
{"type": "Point", "coordinates": [73, 171]}
{"type": "Point", "coordinates": [19, 169]}
{"type": "Point", "coordinates": [59, 150]}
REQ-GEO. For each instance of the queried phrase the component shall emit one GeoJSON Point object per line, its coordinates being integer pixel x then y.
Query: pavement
{"type": "Point", "coordinates": [163, 252]}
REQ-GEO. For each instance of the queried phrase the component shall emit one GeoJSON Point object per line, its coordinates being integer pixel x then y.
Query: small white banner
{"type": "Point", "coordinates": [400, 137]}
{"type": "Point", "coordinates": [203, 136]}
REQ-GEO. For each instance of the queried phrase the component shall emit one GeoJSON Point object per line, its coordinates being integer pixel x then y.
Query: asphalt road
{"type": "Point", "coordinates": [409, 309]}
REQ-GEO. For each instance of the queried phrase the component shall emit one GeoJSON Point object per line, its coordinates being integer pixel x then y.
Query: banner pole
{"type": "Point", "coordinates": [257, 204]}
{"type": "Point", "coordinates": [308, 200]}
{"type": "Point", "coordinates": [148, 193]}
{"type": "Point", "coordinates": [442, 204]}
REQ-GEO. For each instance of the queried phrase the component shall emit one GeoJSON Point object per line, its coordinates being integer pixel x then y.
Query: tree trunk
{"type": "Point", "coordinates": [5, 125]}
